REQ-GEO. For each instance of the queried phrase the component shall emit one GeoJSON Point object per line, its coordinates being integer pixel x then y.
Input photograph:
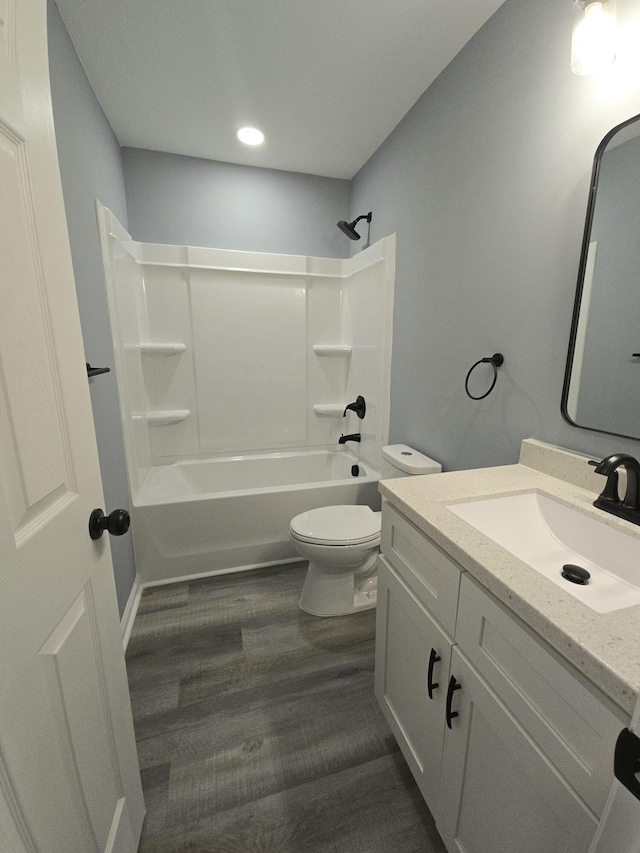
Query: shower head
{"type": "Point", "coordinates": [349, 228]}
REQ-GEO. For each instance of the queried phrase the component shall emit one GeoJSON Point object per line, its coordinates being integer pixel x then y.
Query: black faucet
{"type": "Point", "coordinates": [345, 438]}
{"type": "Point", "coordinates": [629, 507]}
{"type": "Point", "coordinates": [359, 407]}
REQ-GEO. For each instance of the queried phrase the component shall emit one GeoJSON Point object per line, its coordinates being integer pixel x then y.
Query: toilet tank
{"type": "Point", "coordinates": [399, 460]}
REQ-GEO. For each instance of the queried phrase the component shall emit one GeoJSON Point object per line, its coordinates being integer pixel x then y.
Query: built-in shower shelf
{"type": "Point", "coordinates": [329, 410]}
{"type": "Point", "coordinates": [162, 349]}
{"type": "Point", "coordinates": [332, 349]}
{"type": "Point", "coordinates": [163, 417]}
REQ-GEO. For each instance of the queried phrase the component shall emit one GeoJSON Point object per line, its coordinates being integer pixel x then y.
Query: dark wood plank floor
{"type": "Point", "coordinates": [257, 729]}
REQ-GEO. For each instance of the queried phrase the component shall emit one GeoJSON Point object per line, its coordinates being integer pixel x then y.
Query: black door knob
{"type": "Point", "coordinates": [117, 523]}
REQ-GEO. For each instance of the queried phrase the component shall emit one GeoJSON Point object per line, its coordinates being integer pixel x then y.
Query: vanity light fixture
{"type": "Point", "coordinates": [593, 42]}
{"type": "Point", "coordinates": [250, 135]}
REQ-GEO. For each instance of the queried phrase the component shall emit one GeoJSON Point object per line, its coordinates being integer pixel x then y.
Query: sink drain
{"type": "Point", "coordinates": [575, 574]}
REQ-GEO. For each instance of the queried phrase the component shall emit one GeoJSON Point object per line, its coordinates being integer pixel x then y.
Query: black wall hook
{"type": "Point", "coordinates": [496, 360]}
{"type": "Point", "coordinates": [96, 371]}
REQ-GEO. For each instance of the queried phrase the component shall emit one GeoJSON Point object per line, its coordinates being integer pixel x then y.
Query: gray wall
{"type": "Point", "coordinates": [194, 202]}
{"type": "Point", "coordinates": [91, 168]}
{"type": "Point", "coordinates": [485, 182]}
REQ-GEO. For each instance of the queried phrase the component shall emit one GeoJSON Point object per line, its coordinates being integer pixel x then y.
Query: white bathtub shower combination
{"type": "Point", "coordinates": [209, 515]}
{"type": "Point", "coordinates": [234, 369]}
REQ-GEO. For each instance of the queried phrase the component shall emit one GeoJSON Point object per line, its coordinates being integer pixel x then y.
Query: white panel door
{"type": "Point", "coordinates": [69, 780]}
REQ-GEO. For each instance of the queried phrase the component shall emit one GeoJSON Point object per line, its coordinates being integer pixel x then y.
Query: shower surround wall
{"type": "Point", "coordinates": [246, 357]}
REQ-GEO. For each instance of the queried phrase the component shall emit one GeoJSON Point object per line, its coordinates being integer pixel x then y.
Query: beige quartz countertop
{"type": "Point", "coordinates": [604, 647]}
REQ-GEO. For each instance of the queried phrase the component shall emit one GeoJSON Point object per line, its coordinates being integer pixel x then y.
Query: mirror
{"type": "Point", "coordinates": [602, 380]}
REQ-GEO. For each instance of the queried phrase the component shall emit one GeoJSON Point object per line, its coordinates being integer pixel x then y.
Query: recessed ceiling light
{"type": "Point", "coordinates": [250, 136]}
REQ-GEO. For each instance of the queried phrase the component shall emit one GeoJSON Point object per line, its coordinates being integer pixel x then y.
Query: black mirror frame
{"type": "Point", "coordinates": [593, 186]}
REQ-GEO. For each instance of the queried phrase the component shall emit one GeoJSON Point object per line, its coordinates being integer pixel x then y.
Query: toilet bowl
{"type": "Point", "coordinates": [342, 543]}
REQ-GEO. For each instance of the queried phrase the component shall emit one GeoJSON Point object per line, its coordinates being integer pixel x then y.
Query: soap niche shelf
{"type": "Point", "coordinates": [163, 417]}
{"type": "Point", "coordinates": [332, 349]}
{"type": "Point", "coordinates": [162, 348]}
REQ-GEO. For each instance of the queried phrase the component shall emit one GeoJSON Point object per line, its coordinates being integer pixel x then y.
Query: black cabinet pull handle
{"type": "Point", "coordinates": [635, 354]}
{"type": "Point", "coordinates": [433, 659]}
{"type": "Point", "coordinates": [453, 686]}
{"type": "Point", "coordinates": [626, 761]}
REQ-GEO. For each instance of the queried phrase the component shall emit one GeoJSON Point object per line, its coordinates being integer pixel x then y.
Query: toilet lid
{"type": "Point", "coordinates": [337, 525]}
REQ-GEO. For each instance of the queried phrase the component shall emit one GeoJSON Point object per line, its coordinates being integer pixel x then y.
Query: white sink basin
{"type": "Point", "coordinates": [546, 535]}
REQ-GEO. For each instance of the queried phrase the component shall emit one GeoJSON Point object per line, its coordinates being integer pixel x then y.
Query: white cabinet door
{"type": "Point", "coordinates": [69, 780]}
{"type": "Point", "coordinates": [499, 793]}
{"type": "Point", "coordinates": [412, 653]}
{"type": "Point", "coordinates": [619, 827]}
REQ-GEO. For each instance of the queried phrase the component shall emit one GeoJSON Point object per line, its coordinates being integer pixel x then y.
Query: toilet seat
{"type": "Point", "coordinates": [337, 525]}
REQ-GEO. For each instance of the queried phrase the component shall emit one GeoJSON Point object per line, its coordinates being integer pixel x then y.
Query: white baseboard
{"type": "Point", "coordinates": [130, 611]}
{"type": "Point", "coordinates": [182, 578]}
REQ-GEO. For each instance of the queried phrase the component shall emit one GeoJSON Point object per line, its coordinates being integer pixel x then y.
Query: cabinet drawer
{"type": "Point", "coordinates": [425, 568]}
{"type": "Point", "coordinates": [573, 725]}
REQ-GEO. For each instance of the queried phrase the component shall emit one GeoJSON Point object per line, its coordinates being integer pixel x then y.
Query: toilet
{"type": "Point", "coordinates": [341, 543]}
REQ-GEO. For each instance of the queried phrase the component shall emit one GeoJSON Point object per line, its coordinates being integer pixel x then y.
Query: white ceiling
{"type": "Point", "coordinates": [326, 80]}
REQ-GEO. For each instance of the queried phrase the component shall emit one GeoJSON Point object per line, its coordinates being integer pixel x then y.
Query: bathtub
{"type": "Point", "coordinates": [224, 514]}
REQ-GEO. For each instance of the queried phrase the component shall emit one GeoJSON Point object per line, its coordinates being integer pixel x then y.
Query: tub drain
{"type": "Point", "coordinates": [575, 574]}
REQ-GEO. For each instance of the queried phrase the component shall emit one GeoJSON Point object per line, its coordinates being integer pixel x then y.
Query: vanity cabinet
{"type": "Point", "coordinates": [512, 749]}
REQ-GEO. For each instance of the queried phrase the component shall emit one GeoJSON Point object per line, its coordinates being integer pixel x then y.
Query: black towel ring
{"type": "Point", "coordinates": [496, 360]}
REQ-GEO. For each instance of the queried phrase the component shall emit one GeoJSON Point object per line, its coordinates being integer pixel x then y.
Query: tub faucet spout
{"type": "Point", "coordinates": [345, 438]}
